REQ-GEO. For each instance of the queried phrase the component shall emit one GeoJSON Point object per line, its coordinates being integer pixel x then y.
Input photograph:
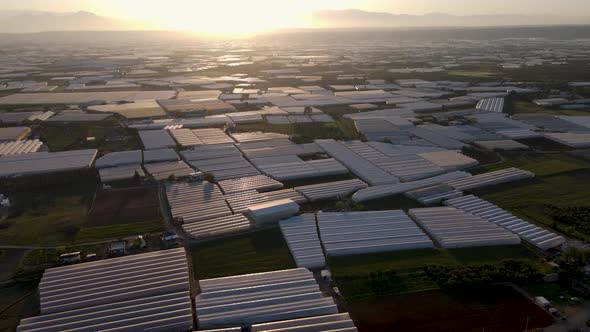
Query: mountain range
{"type": "Point", "coordinates": [363, 19]}
{"type": "Point", "coordinates": [15, 22]}
{"type": "Point", "coordinates": [39, 21]}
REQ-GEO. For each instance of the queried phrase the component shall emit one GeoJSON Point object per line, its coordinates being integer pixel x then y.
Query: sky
{"type": "Point", "coordinates": [258, 15]}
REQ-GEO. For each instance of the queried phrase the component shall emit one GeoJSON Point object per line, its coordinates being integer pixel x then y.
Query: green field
{"type": "Point", "coordinates": [561, 182]}
{"type": "Point", "coordinates": [108, 137]}
{"type": "Point", "coordinates": [523, 106]}
{"type": "Point", "coordinates": [342, 129]}
{"type": "Point", "coordinates": [259, 251]}
{"type": "Point", "coordinates": [351, 272]}
{"type": "Point", "coordinates": [542, 164]}
{"type": "Point", "coordinates": [57, 216]}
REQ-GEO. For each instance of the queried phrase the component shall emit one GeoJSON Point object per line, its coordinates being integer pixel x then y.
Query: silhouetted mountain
{"type": "Point", "coordinates": [36, 21]}
{"type": "Point", "coordinates": [359, 18]}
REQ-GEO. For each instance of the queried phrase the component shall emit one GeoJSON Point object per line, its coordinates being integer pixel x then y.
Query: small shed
{"type": "Point", "coordinates": [272, 211]}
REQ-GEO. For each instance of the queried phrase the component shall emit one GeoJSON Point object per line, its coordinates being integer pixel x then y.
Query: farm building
{"type": "Point", "coordinates": [489, 179]}
{"type": "Point", "coordinates": [260, 298]}
{"type": "Point", "coordinates": [272, 211]}
{"type": "Point", "coordinates": [330, 190]}
{"type": "Point", "coordinates": [454, 228]}
{"type": "Point", "coordinates": [353, 233]}
{"type": "Point", "coordinates": [223, 161]}
{"type": "Point", "coordinates": [198, 137]}
{"type": "Point", "coordinates": [8, 134]}
{"type": "Point", "coordinates": [139, 292]}
{"type": "Point", "coordinates": [335, 322]}
{"type": "Point", "coordinates": [20, 147]}
{"type": "Point", "coordinates": [538, 237]}
{"type": "Point", "coordinates": [491, 105]}
{"type": "Point", "coordinates": [261, 183]}
{"type": "Point", "coordinates": [575, 140]}
{"type": "Point", "coordinates": [156, 139]}
{"type": "Point", "coordinates": [163, 170]}
{"type": "Point", "coordinates": [301, 235]}
{"type": "Point", "coordinates": [377, 192]}
{"type": "Point", "coordinates": [46, 163]}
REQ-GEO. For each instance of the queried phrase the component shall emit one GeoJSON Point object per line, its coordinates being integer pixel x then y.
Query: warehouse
{"type": "Point", "coordinates": [156, 139]}
{"type": "Point", "coordinates": [353, 233]}
{"type": "Point", "coordinates": [454, 228]}
{"type": "Point", "coordinates": [46, 162]}
{"type": "Point", "coordinates": [152, 292]}
{"type": "Point", "coordinates": [491, 178]}
{"type": "Point", "coordinates": [330, 190]}
{"type": "Point", "coordinates": [261, 183]}
{"type": "Point", "coordinates": [260, 298]}
{"type": "Point", "coordinates": [335, 322]}
{"type": "Point", "coordinates": [8, 134]}
{"type": "Point", "coordinates": [20, 147]}
{"type": "Point", "coordinates": [301, 235]}
{"type": "Point", "coordinates": [536, 236]}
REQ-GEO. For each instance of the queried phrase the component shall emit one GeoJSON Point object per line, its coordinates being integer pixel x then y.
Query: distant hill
{"type": "Point", "coordinates": [37, 21]}
{"type": "Point", "coordinates": [353, 18]}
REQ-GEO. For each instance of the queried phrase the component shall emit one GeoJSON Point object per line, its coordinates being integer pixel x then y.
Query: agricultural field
{"type": "Point", "coordinates": [352, 273]}
{"type": "Point", "coordinates": [258, 251]}
{"type": "Point", "coordinates": [342, 129]}
{"type": "Point", "coordinates": [107, 137]}
{"type": "Point", "coordinates": [553, 199]}
{"type": "Point", "coordinates": [59, 216]}
{"type": "Point", "coordinates": [496, 308]}
{"type": "Point", "coordinates": [122, 206]}
{"type": "Point", "coordinates": [542, 164]}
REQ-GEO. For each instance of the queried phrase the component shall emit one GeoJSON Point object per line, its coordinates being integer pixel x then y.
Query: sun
{"type": "Point", "coordinates": [229, 18]}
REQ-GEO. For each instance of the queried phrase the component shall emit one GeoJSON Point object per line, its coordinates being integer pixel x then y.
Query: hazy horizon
{"type": "Point", "coordinates": [243, 18]}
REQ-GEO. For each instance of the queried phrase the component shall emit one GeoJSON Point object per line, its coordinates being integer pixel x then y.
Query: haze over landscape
{"type": "Point", "coordinates": [239, 18]}
{"type": "Point", "coordinates": [294, 165]}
